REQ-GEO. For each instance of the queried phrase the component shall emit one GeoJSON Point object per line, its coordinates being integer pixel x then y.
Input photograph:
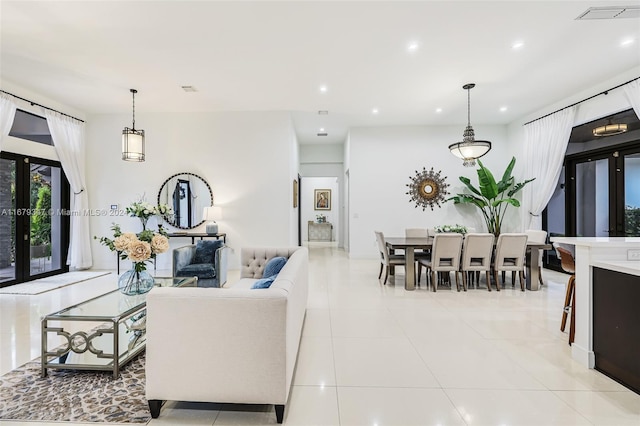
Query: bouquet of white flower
{"type": "Point", "coordinates": [143, 210]}
{"type": "Point", "coordinates": [459, 229]}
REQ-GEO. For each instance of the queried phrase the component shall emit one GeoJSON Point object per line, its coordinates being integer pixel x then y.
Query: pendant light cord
{"type": "Point", "coordinates": [133, 95]}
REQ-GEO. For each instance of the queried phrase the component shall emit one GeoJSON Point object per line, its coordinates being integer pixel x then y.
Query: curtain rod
{"type": "Point", "coordinates": [606, 92]}
{"type": "Point", "coordinates": [42, 106]}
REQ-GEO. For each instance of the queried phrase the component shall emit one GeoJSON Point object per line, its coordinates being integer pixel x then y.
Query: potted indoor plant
{"type": "Point", "coordinates": [491, 197]}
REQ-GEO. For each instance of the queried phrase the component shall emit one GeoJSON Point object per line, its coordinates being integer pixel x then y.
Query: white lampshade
{"type": "Point", "coordinates": [132, 144]}
{"type": "Point", "coordinates": [470, 151]}
{"type": "Point", "coordinates": [209, 215]}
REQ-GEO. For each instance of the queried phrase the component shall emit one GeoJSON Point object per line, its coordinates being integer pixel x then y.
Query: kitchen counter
{"type": "Point", "coordinates": [602, 252]}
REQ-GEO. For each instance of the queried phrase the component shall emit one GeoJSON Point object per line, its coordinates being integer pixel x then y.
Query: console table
{"type": "Point", "coordinates": [320, 231]}
{"type": "Point", "coordinates": [201, 235]}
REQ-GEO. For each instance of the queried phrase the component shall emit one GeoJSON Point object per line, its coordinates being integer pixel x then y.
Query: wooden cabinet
{"type": "Point", "coordinates": [616, 325]}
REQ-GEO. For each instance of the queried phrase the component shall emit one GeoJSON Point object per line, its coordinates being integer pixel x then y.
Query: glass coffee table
{"type": "Point", "coordinates": [103, 333]}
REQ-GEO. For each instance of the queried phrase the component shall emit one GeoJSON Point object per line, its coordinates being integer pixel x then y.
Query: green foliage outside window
{"type": "Point", "coordinates": [632, 221]}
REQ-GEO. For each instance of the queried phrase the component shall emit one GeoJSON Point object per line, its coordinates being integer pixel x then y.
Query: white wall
{"type": "Point", "coordinates": [381, 162]}
{"type": "Point", "coordinates": [248, 159]}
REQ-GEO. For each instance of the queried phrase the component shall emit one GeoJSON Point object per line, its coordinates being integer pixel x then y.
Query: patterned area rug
{"type": "Point", "coordinates": [78, 396]}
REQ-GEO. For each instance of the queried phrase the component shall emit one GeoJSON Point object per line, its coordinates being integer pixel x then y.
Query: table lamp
{"type": "Point", "coordinates": [210, 215]}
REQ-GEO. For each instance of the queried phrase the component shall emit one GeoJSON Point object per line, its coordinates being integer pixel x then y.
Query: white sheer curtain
{"type": "Point", "coordinates": [7, 114]}
{"type": "Point", "coordinates": [68, 140]}
{"type": "Point", "coordinates": [545, 145]}
{"type": "Point", "coordinates": [632, 91]}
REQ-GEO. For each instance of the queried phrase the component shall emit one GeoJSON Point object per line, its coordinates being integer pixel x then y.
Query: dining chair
{"type": "Point", "coordinates": [419, 253]}
{"type": "Point", "coordinates": [387, 260]}
{"type": "Point", "coordinates": [568, 264]}
{"type": "Point", "coordinates": [445, 257]}
{"type": "Point", "coordinates": [510, 256]}
{"type": "Point", "coordinates": [477, 251]}
{"type": "Point", "coordinates": [537, 236]}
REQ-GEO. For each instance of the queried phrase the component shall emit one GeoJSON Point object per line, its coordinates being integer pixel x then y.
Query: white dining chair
{"type": "Point", "coordinates": [477, 251]}
{"type": "Point", "coordinates": [387, 260]}
{"type": "Point", "coordinates": [445, 257]}
{"type": "Point", "coordinates": [419, 253]}
{"type": "Point", "coordinates": [510, 256]}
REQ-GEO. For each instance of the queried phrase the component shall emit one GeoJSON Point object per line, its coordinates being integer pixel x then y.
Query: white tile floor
{"type": "Point", "coordinates": [379, 355]}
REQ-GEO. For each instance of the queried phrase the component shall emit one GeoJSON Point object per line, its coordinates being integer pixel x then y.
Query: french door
{"type": "Point", "coordinates": [603, 192]}
{"type": "Point", "coordinates": [34, 224]}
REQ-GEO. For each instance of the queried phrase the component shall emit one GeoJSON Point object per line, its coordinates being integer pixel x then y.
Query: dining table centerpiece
{"type": "Point", "coordinates": [491, 197]}
{"type": "Point", "coordinates": [458, 229]}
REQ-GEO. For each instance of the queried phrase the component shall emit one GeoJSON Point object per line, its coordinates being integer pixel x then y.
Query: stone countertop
{"type": "Point", "coordinates": [598, 241]}
{"type": "Point", "coordinates": [631, 267]}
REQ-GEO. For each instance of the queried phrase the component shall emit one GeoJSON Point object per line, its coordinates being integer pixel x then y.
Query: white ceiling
{"type": "Point", "coordinates": [274, 56]}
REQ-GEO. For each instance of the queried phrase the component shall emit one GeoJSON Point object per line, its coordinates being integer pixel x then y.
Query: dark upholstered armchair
{"type": "Point", "coordinates": [206, 260]}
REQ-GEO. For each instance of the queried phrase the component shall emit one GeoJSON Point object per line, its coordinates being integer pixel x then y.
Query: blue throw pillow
{"type": "Point", "coordinates": [264, 282]}
{"type": "Point", "coordinates": [206, 250]}
{"type": "Point", "coordinates": [274, 266]}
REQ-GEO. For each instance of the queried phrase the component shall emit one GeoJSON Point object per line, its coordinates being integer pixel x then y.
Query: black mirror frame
{"type": "Point", "coordinates": [168, 219]}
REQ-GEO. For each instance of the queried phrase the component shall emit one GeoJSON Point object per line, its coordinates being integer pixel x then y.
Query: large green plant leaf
{"type": "Point", "coordinates": [468, 184]}
{"type": "Point", "coordinates": [512, 201]}
{"type": "Point", "coordinates": [518, 186]}
{"type": "Point", "coordinates": [488, 185]}
{"type": "Point", "coordinates": [468, 199]}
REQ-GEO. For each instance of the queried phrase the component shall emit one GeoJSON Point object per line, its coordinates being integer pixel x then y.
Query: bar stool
{"type": "Point", "coordinates": [568, 265]}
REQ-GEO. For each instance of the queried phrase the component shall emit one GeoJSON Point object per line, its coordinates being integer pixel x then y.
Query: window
{"type": "Point", "coordinates": [31, 127]}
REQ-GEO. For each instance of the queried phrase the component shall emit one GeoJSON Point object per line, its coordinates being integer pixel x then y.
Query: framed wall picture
{"type": "Point", "coordinates": [295, 193]}
{"type": "Point", "coordinates": [322, 199]}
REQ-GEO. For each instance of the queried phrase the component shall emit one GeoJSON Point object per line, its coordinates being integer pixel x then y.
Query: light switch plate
{"type": "Point", "coordinates": [633, 254]}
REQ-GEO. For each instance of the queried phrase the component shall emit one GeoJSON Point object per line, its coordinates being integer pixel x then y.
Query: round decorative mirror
{"type": "Point", "coordinates": [187, 194]}
{"type": "Point", "coordinates": [427, 189]}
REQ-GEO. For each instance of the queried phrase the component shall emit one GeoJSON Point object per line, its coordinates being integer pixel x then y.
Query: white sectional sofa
{"type": "Point", "coordinates": [232, 344]}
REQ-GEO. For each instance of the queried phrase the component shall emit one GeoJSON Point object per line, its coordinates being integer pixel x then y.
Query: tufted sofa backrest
{"type": "Point", "coordinates": [253, 260]}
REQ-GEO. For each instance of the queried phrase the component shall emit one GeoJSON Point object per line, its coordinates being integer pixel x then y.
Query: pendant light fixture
{"type": "Point", "coordinates": [132, 139]}
{"type": "Point", "coordinates": [469, 149]}
{"type": "Point", "coordinates": [610, 129]}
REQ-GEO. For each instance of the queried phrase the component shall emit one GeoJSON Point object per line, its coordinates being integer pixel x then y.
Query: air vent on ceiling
{"type": "Point", "coordinates": [323, 134]}
{"type": "Point", "coordinates": [323, 112]}
{"type": "Point", "coordinates": [189, 88]}
{"type": "Point", "coordinates": [610, 12]}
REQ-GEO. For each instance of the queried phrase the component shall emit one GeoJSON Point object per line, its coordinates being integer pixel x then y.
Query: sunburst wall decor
{"type": "Point", "coordinates": [427, 188]}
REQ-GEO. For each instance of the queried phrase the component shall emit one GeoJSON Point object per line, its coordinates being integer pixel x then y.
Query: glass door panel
{"type": "Point", "coordinates": [632, 195]}
{"type": "Point", "coordinates": [592, 198]}
{"type": "Point", "coordinates": [7, 220]}
{"type": "Point", "coordinates": [45, 220]}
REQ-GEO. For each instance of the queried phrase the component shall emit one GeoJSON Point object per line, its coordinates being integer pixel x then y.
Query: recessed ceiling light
{"type": "Point", "coordinates": [627, 42]}
{"type": "Point", "coordinates": [323, 89]}
{"type": "Point", "coordinates": [322, 129]}
{"type": "Point", "coordinates": [438, 110]}
{"type": "Point", "coordinates": [374, 111]}
{"type": "Point", "coordinates": [517, 45]}
{"type": "Point", "coordinates": [503, 109]}
{"type": "Point", "coordinates": [413, 46]}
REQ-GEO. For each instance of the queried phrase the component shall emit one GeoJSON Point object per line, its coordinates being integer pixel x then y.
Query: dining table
{"type": "Point", "coordinates": [410, 244]}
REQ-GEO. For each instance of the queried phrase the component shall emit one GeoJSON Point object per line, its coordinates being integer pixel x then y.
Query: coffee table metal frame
{"type": "Point", "coordinates": [80, 342]}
